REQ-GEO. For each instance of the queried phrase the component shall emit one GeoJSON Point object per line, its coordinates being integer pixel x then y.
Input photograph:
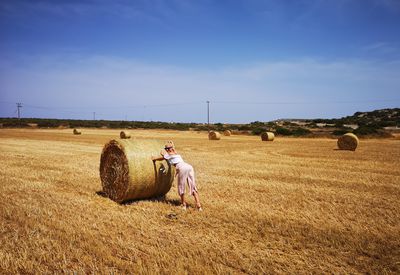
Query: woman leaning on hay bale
{"type": "Point", "coordinates": [184, 172]}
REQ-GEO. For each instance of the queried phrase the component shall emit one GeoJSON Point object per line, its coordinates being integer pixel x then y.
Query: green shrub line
{"type": "Point", "coordinates": [369, 124]}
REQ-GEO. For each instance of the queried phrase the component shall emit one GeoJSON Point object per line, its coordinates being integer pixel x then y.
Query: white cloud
{"type": "Point", "coordinates": [114, 87]}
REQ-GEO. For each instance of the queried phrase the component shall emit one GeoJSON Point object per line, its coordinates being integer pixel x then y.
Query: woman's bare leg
{"type": "Point", "coordinates": [183, 202]}
{"type": "Point", "coordinates": [197, 199]}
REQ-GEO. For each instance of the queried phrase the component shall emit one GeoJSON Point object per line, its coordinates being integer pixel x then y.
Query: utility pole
{"type": "Point", "coordinates": [94, 115]}
{"type": "Point", "coordinates": [208, 115]}
{"type": "Point", "coordinates": [19, 105]}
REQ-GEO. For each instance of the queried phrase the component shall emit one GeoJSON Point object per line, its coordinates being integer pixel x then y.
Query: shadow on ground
{"type": "Point", "coordinates": [163, 199]}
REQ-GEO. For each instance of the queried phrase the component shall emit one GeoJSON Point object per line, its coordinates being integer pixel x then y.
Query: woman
{"type": "Point", "coordinates": [184, 171]}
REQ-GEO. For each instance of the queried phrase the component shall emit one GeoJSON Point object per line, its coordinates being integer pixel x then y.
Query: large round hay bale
{"type": "Point", "coordinates": [77, 132]}
{"type": "Point", "coordinates": [227, 133]}
{"type": "Point", "coordinates": [348, 141]}
{"type": "Point", "coordinates": [128, 173]}
{"type": "Point", "coordinates": [124, 134]}
{"type": "Point", "coordinates": [214, 135]}
{"type": "Point", "coordinates": [267, 136]}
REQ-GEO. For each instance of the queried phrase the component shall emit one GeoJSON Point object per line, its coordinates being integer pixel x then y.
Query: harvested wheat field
{"type": "Point", "coordinates": [291, 206]}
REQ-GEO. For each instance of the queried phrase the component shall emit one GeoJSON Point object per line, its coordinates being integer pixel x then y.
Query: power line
{"type": "Point", "coordinates": [139, 106]}
{"type": "Point", "coordinates": [304, 102]}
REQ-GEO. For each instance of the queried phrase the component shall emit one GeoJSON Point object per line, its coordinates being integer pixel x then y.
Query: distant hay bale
{"type": "Point", "coordinates": [214, 135]}
{"type": "Point", "coordinates": [348, 141]}
{"type": "Point", "coordinates": [267, 136]}
{"type": "Point", "coordinates": [127, 171]}
{"type": "Point", "coordinates": [227, 133]}
{"type": "Point", "coordinates": [124, 134]}
{"type": "Point", "coordinates": [32, 125]}
{"type": "Point", "coordinates": [77, 132]}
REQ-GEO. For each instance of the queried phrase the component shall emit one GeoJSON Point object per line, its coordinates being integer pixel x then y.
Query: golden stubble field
{"type": "Point", "coordinates": [289, 206]}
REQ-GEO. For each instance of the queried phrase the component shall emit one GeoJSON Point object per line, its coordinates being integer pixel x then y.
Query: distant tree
{"type": "Point", "coordinates": [365, 130]}
{"type": "Point", "coordinates": [340, 132]}
{"type": "Point", "coordinates": [219, 126]}
{"type": "Point", "coordinates": [283, 131]}
{"type": "Point", "coordinates": [244, 128]}
{"type": "Point", "coordinates": [339, 124]}
{"type": "Point", "coordinates": [299, 131]}
{"type": "Point", "coordinates": [256, 123]}
{"type": "Point", "coordinates": [257, 131]}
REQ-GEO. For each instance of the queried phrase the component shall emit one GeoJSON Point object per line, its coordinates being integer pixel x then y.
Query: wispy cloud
{"type": "Point", "coordinates": [382, 48]}
{"type": "Point", "coordinates": [375, 46]}
{"type": "Point", "coordinates": [151, 11]}
{"type": "Point", "coordinates": [104, 81]}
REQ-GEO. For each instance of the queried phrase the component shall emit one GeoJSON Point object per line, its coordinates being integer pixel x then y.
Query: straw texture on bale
{"type": "Point", "coordinates": [124, 134]}
{"type": "Point", "coordinates": [348, 141]}
{"type": "Point", "coordinates": [213, 135]}
{"type": "Point", "coordinates": [267, 136]}
{"type": "Point", "coordinates": [128, 173]}
{"type": "Point", "coordinates": [77, 132]}
{"type": "Point", "coordinates": [227, 133]}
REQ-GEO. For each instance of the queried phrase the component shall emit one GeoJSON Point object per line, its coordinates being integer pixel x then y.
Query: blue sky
{"type": "Point", "coordinates": [162, 60]}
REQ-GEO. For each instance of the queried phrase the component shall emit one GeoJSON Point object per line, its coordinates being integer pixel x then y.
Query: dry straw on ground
{"type": "Point", "coordinates": [227, 133]}
{"type": "Point", "coordinates": [267, 136]}
{"type": "Point", "coordinates": [214, 135]}
{"type": "Point", "coordinates": [127, 171]}
{"type": "Point", "coordinates": [77, 132]}
{"type": "Point", "coordinates": [348, 141]}
{"type": "Point", "coordinates": [296, 207]}
{"type": "Point", "coordinates": [124, 135]}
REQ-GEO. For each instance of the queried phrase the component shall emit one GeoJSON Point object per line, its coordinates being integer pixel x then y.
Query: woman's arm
{"type": "Point", "coordinates": [153, 158]}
